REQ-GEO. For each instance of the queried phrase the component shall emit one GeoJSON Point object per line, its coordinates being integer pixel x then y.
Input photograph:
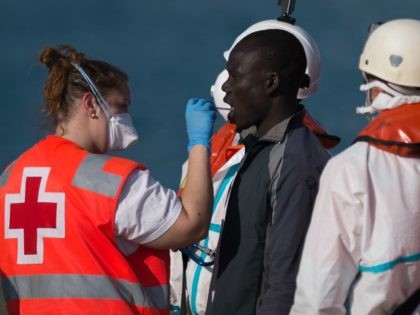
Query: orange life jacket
{"type": "Point", "coordinates": [328, 141]}
{"type": "Point", "coordinates": [58, 249]}
{"type": "Point", "coordinates": [222, 147]}
{"type": "Point", "coordinates": [395, 130]}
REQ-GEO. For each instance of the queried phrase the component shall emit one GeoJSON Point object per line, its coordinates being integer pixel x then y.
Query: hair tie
{"type": "Point", "coordinates": [52, 62]}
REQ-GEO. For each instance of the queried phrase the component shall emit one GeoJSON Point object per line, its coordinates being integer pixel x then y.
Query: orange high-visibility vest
{"type": "Point", "coordinates": [57, 246]}
{"type": "Point", "coordinates": [395, 130]}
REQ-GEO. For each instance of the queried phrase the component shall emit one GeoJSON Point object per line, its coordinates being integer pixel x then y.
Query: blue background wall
{"type": "Point", "coordinates": [172, 50]}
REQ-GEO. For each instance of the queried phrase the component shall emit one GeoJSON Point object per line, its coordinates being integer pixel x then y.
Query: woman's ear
{"type": "Point", "coordinates": [272, 83]}
{"type": "Point", "coordinates": [88, 103]}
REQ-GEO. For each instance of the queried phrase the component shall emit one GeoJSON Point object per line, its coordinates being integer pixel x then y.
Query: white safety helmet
{"type": "Point", "coordinates": [313, 61]}
{"type": "Point", "coordinates": [392, 53]}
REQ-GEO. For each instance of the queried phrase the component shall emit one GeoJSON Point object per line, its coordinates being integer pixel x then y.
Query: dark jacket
{"type": "Point", "coordinates": [267, 218]}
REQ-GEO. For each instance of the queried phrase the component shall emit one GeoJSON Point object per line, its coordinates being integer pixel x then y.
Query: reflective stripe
{"type": "Point", "coordinates": [215, 227]}
{"type": "Point", "coordinates": [225, 183]}
{"type": "Point", "coordinates": [5, 176]}
{"type": "Point", "coordinates": [174, 309]}
{"type": "Point", "coordinates": [90, 176]}
{"type": "Point", "coordinates": [391, 264]}
{"type": "Point", "coordinates": [275, 167]}
{"type": "Point", "coordinates": [84, 286]}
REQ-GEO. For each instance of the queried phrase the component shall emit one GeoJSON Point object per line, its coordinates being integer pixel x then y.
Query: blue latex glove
{"type": "Point", "coordinates": [199, 115]}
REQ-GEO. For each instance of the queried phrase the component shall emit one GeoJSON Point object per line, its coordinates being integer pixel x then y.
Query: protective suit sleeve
{"type": "Point", "coordinates": [331, 253]}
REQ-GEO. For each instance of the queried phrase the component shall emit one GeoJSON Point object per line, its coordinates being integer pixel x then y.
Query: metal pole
{"type": "Point", "coordinates": [287, 7]}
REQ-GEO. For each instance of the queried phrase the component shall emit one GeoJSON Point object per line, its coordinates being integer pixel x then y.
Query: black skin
{"type": "Point", "coordinates": [255, 89]}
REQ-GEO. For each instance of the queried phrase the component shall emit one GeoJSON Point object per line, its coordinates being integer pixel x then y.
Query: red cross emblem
{"type": "Point", "coordinates": [34, 214]}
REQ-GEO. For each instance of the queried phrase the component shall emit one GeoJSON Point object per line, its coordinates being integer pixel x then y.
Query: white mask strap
{"type": "Point", "coordinates": [105, 107]}
{"type": "Point", "coordinates": [387, 99]}
{"type": "Point", "coordinates": [381, 85]}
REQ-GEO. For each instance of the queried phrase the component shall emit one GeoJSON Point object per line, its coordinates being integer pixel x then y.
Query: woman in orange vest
{"type": "Point", "coordinates": [82, 232]}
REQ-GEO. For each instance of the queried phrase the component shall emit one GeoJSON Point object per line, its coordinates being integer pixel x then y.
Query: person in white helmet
{"type": "Point", "coordinates": [227, 153]}
{"type": "Point", "coordinates": [362, 249]}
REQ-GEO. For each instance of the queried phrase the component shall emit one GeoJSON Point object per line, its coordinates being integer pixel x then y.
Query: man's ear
{"type": "Point", "coordinates": [88, 103]}
{"type": "Point", "coordinates": [272, 83]}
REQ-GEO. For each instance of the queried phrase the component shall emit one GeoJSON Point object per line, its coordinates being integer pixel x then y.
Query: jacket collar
{"type": "Point", "coordinates": [276, 133]}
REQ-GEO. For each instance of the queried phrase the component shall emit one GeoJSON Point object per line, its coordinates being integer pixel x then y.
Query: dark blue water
{"type": "Point", "coordinates": [172, 50]}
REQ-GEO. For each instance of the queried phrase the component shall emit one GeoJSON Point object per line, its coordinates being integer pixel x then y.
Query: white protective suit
{"type": "Point", "coordinates": [198, 277]}
{"type": "Point", "coordinates": [364, 236]}
{"type": "Point", "coordinates": [362, 249]}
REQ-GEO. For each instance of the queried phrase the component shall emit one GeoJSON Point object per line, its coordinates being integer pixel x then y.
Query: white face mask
{"type": "Point", "coordinates": [387, 99]}
{"type": "Point", "coordinates": [121, 132]}
{"type": "Point", "coordinates": [218, 94]}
